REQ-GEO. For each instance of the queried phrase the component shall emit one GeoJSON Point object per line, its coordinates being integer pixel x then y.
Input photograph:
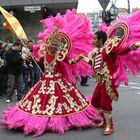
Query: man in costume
{"type": "Point", "coordinates": [103, 63]}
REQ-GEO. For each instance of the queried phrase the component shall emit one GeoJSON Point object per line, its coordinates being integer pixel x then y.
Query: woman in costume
{"type": "Point", "coordinates": [54, 103]}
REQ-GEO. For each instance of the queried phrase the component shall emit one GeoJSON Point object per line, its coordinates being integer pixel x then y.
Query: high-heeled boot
{"type": "Point", "coordinates": [109, 124]}
{"type": "Point", "coordinates": [102, 124]}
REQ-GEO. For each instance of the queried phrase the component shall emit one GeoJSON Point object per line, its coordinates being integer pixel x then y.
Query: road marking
{"type": "Point", "coordinates": [135, 87]}
{"type": "Point", "coordinates": [133, 83]}
{"type": "Point", "coordinates": [132, 87]}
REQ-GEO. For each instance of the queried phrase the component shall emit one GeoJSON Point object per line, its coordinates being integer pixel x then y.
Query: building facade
{"type": "Point", "coordinates": [30, 13]}
{"type": "Point", "coordinates": [95, 19]}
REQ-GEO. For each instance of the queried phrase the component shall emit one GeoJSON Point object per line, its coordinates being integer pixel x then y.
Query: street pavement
{"type": "Point", "coordinates": [126, 116]}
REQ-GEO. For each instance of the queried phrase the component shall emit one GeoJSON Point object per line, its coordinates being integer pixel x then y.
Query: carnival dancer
{"type": "Point", "coordinates": [54, 103]}
{"type": "Point", "coordinates": [117, 57]}
{"type": "Point", "coordinates": [103, 60]}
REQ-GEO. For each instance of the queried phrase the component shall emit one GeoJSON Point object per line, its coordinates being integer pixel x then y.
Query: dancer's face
{"type": "Point", "coordinates": [96, 42]}
{"type": "Point", "coordinates": [53, 47]}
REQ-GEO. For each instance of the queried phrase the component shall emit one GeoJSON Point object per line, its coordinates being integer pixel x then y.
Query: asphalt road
{"type": "Point", "coordinates": [126, 116]}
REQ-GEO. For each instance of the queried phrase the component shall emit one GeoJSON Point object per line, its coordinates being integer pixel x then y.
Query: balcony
{"type": "Point", "coordinates": [51, 4]}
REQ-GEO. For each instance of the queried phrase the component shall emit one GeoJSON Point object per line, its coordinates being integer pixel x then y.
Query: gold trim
{"type": "Point", "coordinates": [108, 84]}
{"type": "Point", "coordinates": [126, 31]}
{"type": "Point", "coordinates": [106, 77]}
{"type": "Point", "coordinates": [57, 115]}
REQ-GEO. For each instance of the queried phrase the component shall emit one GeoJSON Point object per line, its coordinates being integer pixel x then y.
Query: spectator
{"type": "Point", "coordinates": [3, 73]}
{"type": "Point", "coordinates": [31, 72]}
{"type": "Point", "coordinates": [14, 65]}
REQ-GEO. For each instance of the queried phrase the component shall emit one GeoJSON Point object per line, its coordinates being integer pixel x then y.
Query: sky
{"type": "Point", "coordinates": [87, 6]}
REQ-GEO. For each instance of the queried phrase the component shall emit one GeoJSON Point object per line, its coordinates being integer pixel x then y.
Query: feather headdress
{"type": "Point", "coordinates": [130, 61]}
{"type": "Point", "coordinates": [78, 29]}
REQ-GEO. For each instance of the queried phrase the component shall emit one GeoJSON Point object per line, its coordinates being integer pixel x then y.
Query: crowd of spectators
{"type": "Point", "coordinates": [18, 71]}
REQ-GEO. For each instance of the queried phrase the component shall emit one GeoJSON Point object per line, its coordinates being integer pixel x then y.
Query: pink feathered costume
{"type": "Point", "coordinates": [54, 103]}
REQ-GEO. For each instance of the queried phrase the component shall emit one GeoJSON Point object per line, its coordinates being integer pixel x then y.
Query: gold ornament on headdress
{"type": "Point", "coordinates": [112, 43]}
{"type": "Point", "coordinates": [55, 36]}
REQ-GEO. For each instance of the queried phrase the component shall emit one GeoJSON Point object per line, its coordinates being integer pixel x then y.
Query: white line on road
{"type": "Point", "coordinates": [133, 83]}
{"type": "Point", "coordinates": [135, 87]}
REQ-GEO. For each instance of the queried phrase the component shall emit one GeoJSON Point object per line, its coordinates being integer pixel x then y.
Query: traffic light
{"type": "Point", "coordinates": [107, 17]}
{"type": "Point", "coordinates": [46, 12]}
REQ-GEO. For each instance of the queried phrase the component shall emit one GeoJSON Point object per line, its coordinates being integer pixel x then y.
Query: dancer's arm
{"type": "Point", "coordinates": [73, 60]}
{"type": "Point", "coordinates": [123, 51]}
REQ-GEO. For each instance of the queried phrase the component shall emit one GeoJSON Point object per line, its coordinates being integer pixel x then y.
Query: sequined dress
{"type": "Point", "coordinates": [52, 104]}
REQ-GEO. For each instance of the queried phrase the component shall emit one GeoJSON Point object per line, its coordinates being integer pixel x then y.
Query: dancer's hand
{"type": "Point", "coordinates": [86, 59]}
{"type": "Point", "coordinates": [81, 56]}
{"type": "Point", "coordinates": [135, 46]}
